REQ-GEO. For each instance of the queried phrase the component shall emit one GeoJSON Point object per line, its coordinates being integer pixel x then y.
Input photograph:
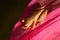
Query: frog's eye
{"type": "Point", "coordinates": [23, 20]}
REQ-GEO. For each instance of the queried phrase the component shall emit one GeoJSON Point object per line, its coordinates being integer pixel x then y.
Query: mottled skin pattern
{"type": "Point", "coordinates": [36, 16]}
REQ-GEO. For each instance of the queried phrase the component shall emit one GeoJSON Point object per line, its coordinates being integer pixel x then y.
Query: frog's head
{"type": "Point", "coordinates": [24, 26]}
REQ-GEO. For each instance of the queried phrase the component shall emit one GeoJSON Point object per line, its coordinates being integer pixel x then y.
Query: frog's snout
{"type": "Point", "coordinates": [24, 27]}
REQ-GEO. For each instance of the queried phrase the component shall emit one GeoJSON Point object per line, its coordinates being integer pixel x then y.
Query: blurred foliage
{"type": "Point", "coordinates": [10, 12]}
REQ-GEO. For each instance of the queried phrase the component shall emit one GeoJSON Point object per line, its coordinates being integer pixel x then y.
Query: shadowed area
{"type": "Point", "coordinates": [10, 12]}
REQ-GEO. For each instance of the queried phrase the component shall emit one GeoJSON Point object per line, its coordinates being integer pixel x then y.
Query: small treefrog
{"type": "Point", "coordinates": [39, 15]}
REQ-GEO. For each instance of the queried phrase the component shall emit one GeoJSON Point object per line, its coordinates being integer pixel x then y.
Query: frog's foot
{"type": "Point", "coordinates": [33, 25]}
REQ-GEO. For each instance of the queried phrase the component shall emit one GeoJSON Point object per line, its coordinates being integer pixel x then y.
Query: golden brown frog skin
{"type": "Point", "coordinates": [37, 16]}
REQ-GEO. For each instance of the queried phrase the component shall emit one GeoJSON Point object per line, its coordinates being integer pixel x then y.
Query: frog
{"type": "Point", "coordinates": [38, 16]}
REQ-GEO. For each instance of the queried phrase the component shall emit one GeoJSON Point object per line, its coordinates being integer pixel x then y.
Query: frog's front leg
{"type": "Point", "coordinates": [33, 25]}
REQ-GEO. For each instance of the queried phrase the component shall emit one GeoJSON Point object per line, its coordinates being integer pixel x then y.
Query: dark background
{"type": "Point", "coordinates": [10, 12]}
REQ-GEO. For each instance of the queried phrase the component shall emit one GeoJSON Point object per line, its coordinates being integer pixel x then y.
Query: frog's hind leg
{"type": "Point", "coordinates": [42, 16]}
